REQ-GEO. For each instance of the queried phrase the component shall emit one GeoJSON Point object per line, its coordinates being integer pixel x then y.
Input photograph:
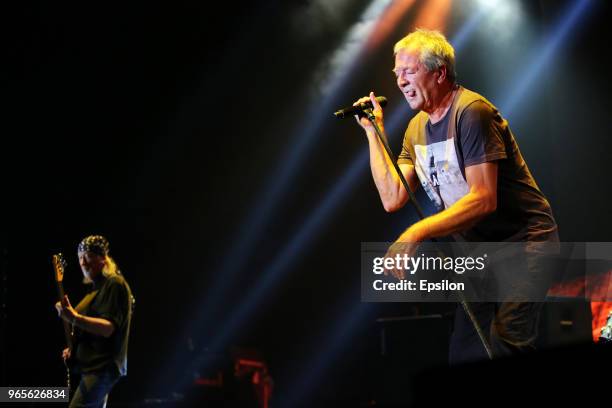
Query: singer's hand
{"type": "Point", "coordinates": [405, 245]}
{"type": "Point", "coordinates": [363, 121]}
{"type": "Point", "coordinates": [65, 310]}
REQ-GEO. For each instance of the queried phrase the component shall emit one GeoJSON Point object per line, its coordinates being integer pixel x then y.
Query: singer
{"type": "Point", "coordinates": [461, 150]}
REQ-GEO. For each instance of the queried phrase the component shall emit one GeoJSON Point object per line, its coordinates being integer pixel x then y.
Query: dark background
{"type": "Point", "coordinates": [159, 125]}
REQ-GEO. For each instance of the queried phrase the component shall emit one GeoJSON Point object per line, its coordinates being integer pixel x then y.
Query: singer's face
{"type": "Point", "coordinates": [416, 83]}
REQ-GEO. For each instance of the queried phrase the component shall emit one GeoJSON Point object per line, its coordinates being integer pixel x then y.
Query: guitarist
{"type": "Point", "coordinates": [102, 320]}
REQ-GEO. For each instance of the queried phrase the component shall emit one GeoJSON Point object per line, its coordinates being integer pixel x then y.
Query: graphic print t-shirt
{"type": "Point", "coordinates": [473, 132]}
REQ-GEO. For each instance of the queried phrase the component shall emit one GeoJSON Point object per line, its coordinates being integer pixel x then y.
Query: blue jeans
{"type": "Point", "coordinates": [94, 388]}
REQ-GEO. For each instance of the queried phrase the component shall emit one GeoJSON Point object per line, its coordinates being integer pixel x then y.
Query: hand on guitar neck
{"type": "Point", "coordinates": [66, 311]}
{"type": "Point", "coordinates": [95, 325]}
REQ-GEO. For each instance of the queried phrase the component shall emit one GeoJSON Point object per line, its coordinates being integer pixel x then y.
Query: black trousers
{"type": "Point", "coordinates": [510, 328]}
{"type": "Point", "coordinates": [510, 319]}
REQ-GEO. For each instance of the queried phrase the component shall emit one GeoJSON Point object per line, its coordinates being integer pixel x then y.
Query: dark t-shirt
{"type": "Point", "coordinates": [110, 299]}
{"type": "Point", "coordinates": [473, 132]}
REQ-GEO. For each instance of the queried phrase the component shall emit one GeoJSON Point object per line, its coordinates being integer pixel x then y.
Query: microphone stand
{"type": "Point", "coordinates": [464, 304]}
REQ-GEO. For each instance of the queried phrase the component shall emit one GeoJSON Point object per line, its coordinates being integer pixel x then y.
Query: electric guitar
{"type": "Point", "coordinates": [59, 264]}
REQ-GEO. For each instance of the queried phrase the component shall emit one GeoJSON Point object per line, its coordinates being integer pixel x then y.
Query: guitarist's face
{"type": "Point", "coordinates": [91, 264]}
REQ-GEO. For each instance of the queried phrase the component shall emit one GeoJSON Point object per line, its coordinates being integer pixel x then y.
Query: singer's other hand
{"type": "Point", "coordinates": [66, 353]}
{"type": "Point", "coordinates": [363, 121]}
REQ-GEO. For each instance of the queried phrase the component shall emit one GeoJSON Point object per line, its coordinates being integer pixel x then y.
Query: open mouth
{"type": "Point", "coordinates": [410, 93]}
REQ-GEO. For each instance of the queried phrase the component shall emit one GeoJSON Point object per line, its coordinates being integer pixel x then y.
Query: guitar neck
{"type": "Point", "coordinates": [67, 328]}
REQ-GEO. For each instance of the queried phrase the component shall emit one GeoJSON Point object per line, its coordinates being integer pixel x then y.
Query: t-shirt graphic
{"type": "Point", "coordinates": [438, 170]}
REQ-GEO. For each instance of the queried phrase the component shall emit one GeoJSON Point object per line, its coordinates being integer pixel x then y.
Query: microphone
{"type": "Point", "coordinates": [356, 110]}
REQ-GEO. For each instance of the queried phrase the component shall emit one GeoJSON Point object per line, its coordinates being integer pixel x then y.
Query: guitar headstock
{"type": "Point", "coordinates": [59, 264]}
